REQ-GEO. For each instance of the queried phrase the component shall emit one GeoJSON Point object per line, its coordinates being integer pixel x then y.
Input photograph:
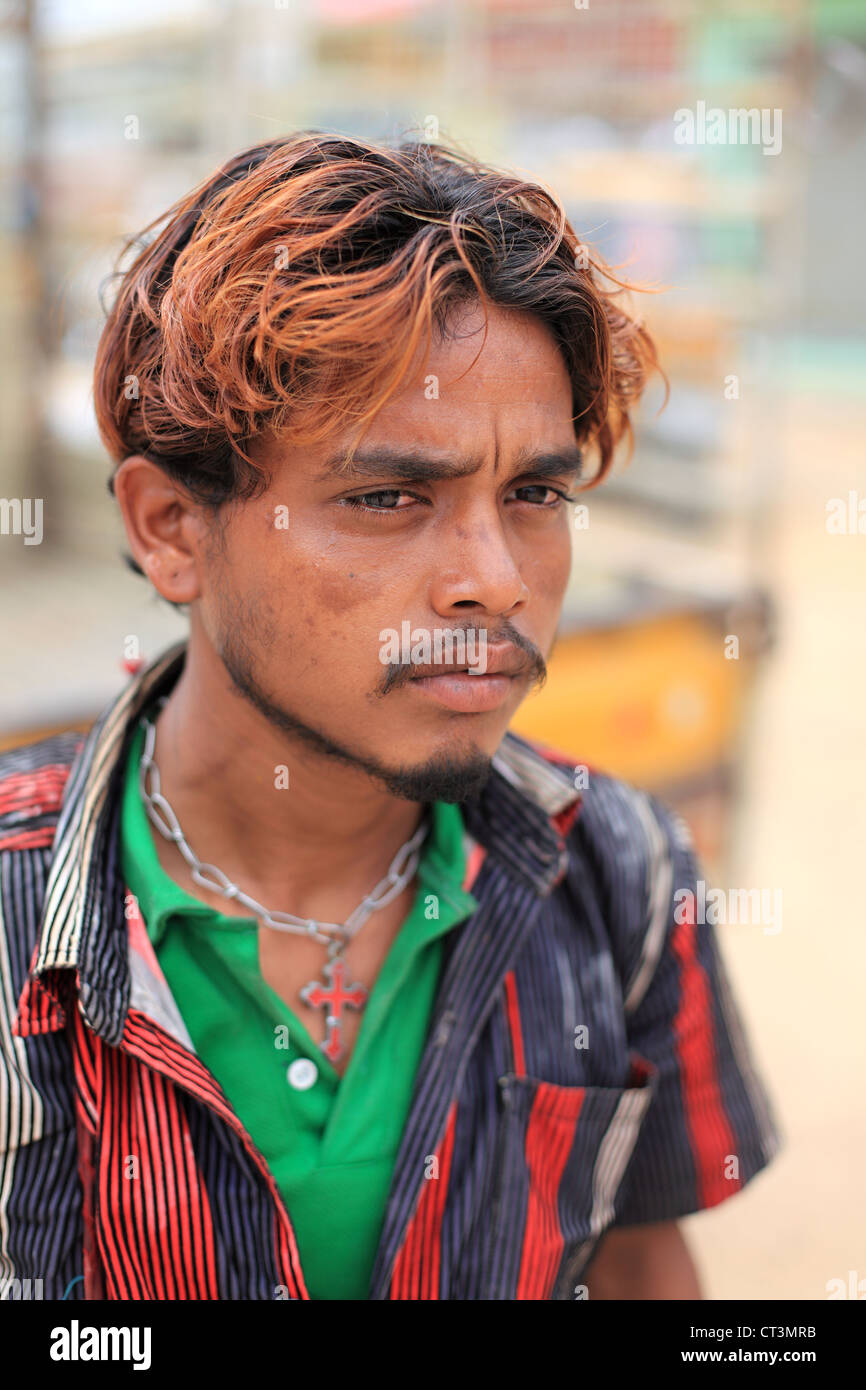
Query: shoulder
{"type": "Point", "coordinates": [629, 830]}
{"type": "Point", "coordinates": [33, 779]}
{"type": "Point", "coordinates": [635, 853]}
{"type": "Point", "coordinates": [616, 821]}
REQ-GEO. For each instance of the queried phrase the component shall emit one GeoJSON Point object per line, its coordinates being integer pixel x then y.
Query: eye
{"type": "Point", "coordinates": [361, 501]}
{"type": "Point", "coordinates": [557, 495]}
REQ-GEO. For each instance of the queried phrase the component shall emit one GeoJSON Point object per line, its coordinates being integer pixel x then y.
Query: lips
{"type": "Point", "coordinates": [464, 693]}
{"type": "Point", "coordinates": [503, 661]}
{"type": "Point", "coordinates": [457, 687]}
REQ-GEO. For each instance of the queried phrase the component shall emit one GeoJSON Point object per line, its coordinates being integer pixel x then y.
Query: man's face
{"type": "Point", "coordinates": [451, 522]}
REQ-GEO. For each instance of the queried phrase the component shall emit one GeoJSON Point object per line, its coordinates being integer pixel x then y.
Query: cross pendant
{"type": "Point", "coordinates": [334, 996]}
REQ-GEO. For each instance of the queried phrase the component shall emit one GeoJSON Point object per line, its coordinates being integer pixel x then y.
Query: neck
{"type": "Point", "coordinates": [313, 848]}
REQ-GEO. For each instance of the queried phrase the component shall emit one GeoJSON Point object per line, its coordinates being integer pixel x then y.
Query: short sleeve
{"type": "Point", "coordinates": [709, 1128]}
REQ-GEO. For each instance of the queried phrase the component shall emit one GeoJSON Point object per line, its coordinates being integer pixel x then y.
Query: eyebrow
{"type": "Point", "coordinates": [416, 466]}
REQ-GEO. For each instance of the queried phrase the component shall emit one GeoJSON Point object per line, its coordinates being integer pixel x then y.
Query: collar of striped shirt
{"type": "Point", "coordinates": [521, 819]}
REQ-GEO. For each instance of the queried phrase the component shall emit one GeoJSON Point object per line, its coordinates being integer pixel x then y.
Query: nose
{"type": "Point", "coordinates": [476, 570]}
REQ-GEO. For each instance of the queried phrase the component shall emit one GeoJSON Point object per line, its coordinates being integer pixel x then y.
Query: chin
{"type": "Point", "coordinates": [441, 777]}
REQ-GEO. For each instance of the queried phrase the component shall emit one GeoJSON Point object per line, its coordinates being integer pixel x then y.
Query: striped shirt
{"type": "Point", "coordinates": [585, 1067]}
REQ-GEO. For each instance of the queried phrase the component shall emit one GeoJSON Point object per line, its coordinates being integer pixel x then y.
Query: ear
{"type": "Point", "coordinates": [163, 525]}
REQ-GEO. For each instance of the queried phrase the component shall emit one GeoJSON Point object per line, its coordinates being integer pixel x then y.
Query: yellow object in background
{"type": "Point", "coordinates": [653, 702]}
{"type": "Point", "coordinates": [658, 698]}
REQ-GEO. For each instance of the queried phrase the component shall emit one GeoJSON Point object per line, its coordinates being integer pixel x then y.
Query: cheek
{"type": "Point", "coordinates": [338, 590]}
{"type": "Point", "coordinates": [330, 614]}
{"type": "Point", "coordinates": [547, 570]}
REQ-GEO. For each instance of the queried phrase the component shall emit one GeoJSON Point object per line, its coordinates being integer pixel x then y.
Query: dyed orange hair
{"type": "Point", "coordinates": [290, 291]}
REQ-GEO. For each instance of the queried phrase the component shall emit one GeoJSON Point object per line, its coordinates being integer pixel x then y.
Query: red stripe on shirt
{"type": "Point", "coordinates": [37, 791]}
{"type": "Point", "coordinates": [474, 860]}
{"type": "Point", "coordinates": [159, 1051]}
{"type": "Point", "coordinates": [549, 1140]}
{"type": "Point", "coordinates": [118, 1260]}
{"type": "Point", "coordinates": [155, 1232]}
{"type": "Point", "coordinates": [710, 1134]}
{"type": "Point", "coordinates": [512, 1009]}
{"type": "Point", "coordinates": [29, 839]}
{"type": "Point", "coordinates": [40, 1008]}
{"type": "Point", "coordinates": [85, 1118]}
{"type": "Point", "coordinates": [418, 1263]}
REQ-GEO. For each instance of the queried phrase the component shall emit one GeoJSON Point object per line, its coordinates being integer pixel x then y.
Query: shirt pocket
{"type": "Point", "coordinates": [562, 1153]}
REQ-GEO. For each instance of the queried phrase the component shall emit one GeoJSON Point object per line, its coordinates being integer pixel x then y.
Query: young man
{"type": "Point", "coordinates": [319, 983]}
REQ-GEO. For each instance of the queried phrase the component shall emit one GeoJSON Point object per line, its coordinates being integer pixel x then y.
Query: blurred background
{"type": "Point", "coordinates": [712, 645]}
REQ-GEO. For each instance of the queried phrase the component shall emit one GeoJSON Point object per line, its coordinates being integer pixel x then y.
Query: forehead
{"type": "Point", "coordinates": [513, 383]}
{"type": "Point", "coordinates": [467, 396]}
{"type": "Point", "coordinates": [516, 361]}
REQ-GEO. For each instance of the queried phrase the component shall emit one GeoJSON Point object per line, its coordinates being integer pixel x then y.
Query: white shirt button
{"type": "Point", "coordinates": [302, 1074]}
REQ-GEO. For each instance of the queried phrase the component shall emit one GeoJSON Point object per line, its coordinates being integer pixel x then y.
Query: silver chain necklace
{"type": "Point", "coordinates": [338, 992]}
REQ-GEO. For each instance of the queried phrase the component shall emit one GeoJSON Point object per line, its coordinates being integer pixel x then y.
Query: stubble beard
{"type": "Point", "coordinates": [442, 777]}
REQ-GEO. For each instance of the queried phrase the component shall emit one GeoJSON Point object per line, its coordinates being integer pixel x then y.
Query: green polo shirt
{"type": "Point", "coordinates": [330, 1145]}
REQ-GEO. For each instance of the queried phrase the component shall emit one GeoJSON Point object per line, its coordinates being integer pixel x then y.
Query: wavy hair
{"type": "Point", "coordinates": [291, 290]}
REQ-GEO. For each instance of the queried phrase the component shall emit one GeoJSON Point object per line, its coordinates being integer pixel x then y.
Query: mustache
{"type": "Point", "coordinates": [398, 673]}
